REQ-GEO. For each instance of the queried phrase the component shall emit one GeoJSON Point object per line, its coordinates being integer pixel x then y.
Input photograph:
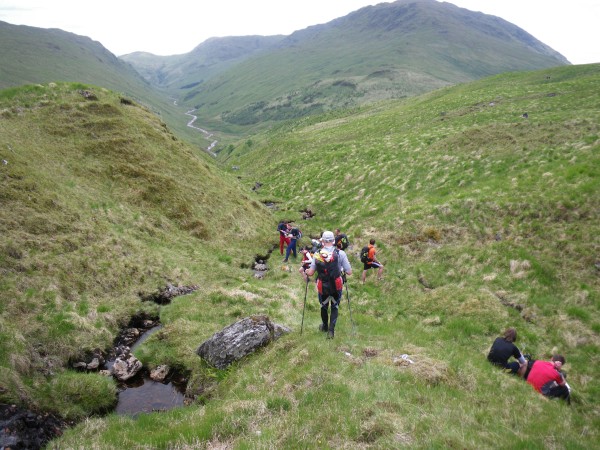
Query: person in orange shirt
{"type": "Point", "coordinates": [372, 262]}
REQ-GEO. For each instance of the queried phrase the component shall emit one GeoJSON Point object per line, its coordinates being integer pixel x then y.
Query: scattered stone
{"type": "Point", "coordinates": [160, 373]}
{"type": "Point", "coordinates": [257, 186]}
{"type": "Point", "coordinates": [237, 340]}
{"type": "Point", "coordinates": [93, 361]}
{"type": "Point", "coordinates": [126, 366]}
{"type": "Point", "coordinates": [94, 365]}
{"type": "Point", "coordinates": [166, 294]}
{"type": "Point", "coordinates": [128, 336]}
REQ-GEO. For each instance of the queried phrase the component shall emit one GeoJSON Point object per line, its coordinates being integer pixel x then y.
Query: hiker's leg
{"type": "Point", "coordinates": [380, 272]}
{"type": "Point", "coordinates": [514, 367]}
{"type": "Point", "coordinates": [557, 392]}
{"type": "Point", "coordinates": [335, 304]}
{"type": "Point", "coordinates": [364, 276]}
{"type": "Point", "coordinates": [324, 313]}
{"type": "Point", "coordinates": [287, 253]}
{"type": "Point", "coordinates": [281, 242]}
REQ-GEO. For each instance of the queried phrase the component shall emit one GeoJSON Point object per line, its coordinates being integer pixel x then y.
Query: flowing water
{"type": "Point", "coordinates": [141, 394]}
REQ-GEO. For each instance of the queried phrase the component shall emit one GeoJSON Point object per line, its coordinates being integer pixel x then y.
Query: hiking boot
{"type": "Point", "coordinates": [330, 334]}
{"type": "Point", "coordinates": [322, 327]}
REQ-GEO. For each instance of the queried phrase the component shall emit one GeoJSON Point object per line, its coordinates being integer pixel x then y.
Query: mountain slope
{"type": "Point", "coordinates": [36, 55]}
{"type": "Point", "coordinates": [483, 218]}
{"type": "Point", "coordinates": [207, 60]}
{"type": "Point", "coordinates": [100, 201]}
{"type": "Point", "coordinates": [390, 50]}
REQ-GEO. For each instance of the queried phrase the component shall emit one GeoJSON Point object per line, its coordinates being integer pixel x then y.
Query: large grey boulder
{"type": "Point", "coordinates": [237, 340]}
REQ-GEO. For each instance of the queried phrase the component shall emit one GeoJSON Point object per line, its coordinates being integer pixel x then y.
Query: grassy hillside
{"type": "Point", "coordinates": [36, 55]}
{"type": "Point", "coordinates": [391, 50]}
{"type": "Point", "coordinates": [484, 219]}
{"type": "Point", "coordinates": [208, 59]}
{"type": "Point", "coordinates": [100, 201]}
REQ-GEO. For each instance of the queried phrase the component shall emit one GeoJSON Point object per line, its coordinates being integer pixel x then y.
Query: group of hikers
{"type": "Point", "coordinates": [327, 258]}
{"type": "Point", "coordinates": [546, 377]}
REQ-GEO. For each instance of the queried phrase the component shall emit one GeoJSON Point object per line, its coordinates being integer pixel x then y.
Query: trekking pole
{"type": "Point", "coordinates": [349, 309]}
{"type": "Point", "coordinates": [304, 307]}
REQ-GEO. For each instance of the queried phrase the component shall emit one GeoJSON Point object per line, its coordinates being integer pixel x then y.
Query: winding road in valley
{"type": "Point", "coordinates": [207, 134]}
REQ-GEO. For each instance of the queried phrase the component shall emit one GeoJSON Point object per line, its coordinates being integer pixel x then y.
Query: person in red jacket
{"type": "Point", "coordinates": [283, 239]}
{"type": "Point", "coordinates": [547, 379]}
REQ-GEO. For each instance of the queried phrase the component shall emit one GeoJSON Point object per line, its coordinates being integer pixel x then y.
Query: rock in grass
{"type": "Point", "coordinates": [238, 340]}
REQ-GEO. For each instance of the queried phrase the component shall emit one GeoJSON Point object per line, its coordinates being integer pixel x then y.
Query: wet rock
{"type": "Point", "coordinates": [93, 361]}
{"type": "Point", "coordinates": [128, 336]}
{"type": "Point", "coordinates": [260, 266]}
{"type": "Point", "coordinates": [237, 341]}
{"type": "Point", "coordinates": [166, 294]}
{"type": "Point", "coordinates": [126, 365]}
{"type": "Point", "coordinates": [26, 429]}
{"type": "Point", "coordinates": [160, 373]}
{"type": "Point", "coordinates": [94, 364]}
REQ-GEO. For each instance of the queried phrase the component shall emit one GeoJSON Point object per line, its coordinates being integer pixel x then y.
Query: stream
{"type": "Point", "coordinates": [141, 394]}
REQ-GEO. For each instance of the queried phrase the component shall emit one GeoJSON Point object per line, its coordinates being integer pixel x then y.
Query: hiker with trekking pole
{"type": "Point", "coordinates": [329, 263]}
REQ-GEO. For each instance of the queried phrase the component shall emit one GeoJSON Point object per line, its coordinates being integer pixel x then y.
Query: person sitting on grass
{"type": "Point", "coordinates": [503, 348]}
{"type": "Point", "coordinates": [546, 378]}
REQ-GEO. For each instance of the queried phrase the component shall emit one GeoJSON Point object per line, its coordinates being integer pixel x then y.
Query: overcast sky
{"type": "Point", "coordinates": [571, 27]}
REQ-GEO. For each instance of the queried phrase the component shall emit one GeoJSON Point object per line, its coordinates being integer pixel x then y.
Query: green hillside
{"type": "Point", "coordinates": [33, 55]}
{"type": "Point", "coordinates": [483, 218]}
{"type": "Point", "coordinates": [100, 201]}
{"type": "Point", "coordinates": [390, 50]}
{"type": "Point", "coordinates": [207, 60]}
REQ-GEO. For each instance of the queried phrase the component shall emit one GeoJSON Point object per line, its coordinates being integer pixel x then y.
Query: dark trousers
{"type": "Point", "coordinates": [325, 300]}
{"type": "Point", "coordinates": [554, 390]}
{"type": "Point", "coordinates": [291, 247]}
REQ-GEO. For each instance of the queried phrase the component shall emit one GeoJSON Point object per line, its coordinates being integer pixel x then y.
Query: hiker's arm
{"type": "Point", "coordinates": [311, 269]}
{"type": "Point", "coordinates": [346, 264]}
